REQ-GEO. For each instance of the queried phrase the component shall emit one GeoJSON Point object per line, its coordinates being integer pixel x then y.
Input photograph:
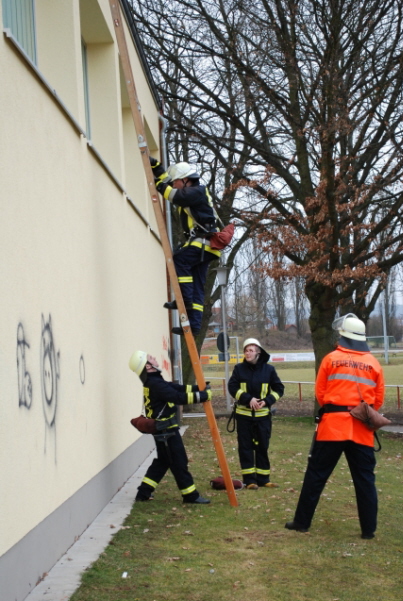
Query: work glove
{"type": "Point", "coordinates": [195, 387]}
{"type": "Point", "coordinates": [158, 169]}
{"type": "Point", "coordinates": [161, 187]}
{"type": "Point", "coordinates": [205, 395]}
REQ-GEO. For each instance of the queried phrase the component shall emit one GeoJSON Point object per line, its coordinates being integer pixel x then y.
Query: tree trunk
{"type": "Point", "coordinates": [323, 311]}
{"type": "Point", "coordinates": [322, 315]}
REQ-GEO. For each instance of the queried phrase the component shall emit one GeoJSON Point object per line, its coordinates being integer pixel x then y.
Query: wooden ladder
{"type": "Point", "coordinates": [142, 142]}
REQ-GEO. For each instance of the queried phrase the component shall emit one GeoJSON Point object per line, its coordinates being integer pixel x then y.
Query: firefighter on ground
{"type": "Point", "coordinates": [160, 400]}
{"type": "Point", "coordinates": [181, 186]}
{"type": "Point", "coordinates": [255, 386]}
{"type": "Point", "coordinates": [346, 376]}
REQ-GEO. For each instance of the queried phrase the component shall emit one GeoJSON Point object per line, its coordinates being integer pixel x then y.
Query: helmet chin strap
{"type": "Point", "coordinates": [154, 367]}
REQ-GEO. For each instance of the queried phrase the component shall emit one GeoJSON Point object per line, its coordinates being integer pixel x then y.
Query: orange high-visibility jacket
{"type": "Point", "coordinates": [344, 378]}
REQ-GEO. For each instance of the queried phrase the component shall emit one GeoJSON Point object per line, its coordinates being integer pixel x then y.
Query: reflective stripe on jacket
{"type": "Point", "coordinates": [161, 397]}
{"type": "Point", "coordinates": [258, 381]}
{"type": "Point", "coordinates": [344, 378]}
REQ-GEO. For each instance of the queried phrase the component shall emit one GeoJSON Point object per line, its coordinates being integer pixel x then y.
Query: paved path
{"type": "Point", "coordinates": [395, 428]}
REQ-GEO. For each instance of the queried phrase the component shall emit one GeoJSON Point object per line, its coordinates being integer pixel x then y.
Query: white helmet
{"type": "Point", "coordinates": [137, 362]}
{"type": "Point", "coordinates": [182, 170]}
{"type": "Point", "coordinates": [350, 326]}
{"type": "Point", "coordinates": [264, 355]}
{"type": "Point", "coordinates": [249, 341]}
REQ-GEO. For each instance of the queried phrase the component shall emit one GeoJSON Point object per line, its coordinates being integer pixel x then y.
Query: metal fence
{"type": "Point", "coordinates": [305, 391]}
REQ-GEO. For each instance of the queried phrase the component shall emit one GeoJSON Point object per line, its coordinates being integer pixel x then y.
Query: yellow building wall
{"type": "Point", "coordinates": [84, 277]}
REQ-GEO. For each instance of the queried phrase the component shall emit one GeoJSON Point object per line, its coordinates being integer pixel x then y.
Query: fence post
{"type": "Point", "coordinates": [300, 392]}
{"type": "Point", "coordinates": [398, 397]}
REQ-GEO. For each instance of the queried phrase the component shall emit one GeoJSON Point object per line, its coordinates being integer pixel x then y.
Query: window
{"type": "Point", "coordinates": [102, 100]}
{"type": "Point", "coordinates": [19, 17]}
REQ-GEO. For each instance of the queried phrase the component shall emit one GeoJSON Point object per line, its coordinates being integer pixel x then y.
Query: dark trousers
{"type": "Point", "coordinates": [170, 455]}
{"type": "Point", "coordinates": [361, 461]}
{"type": "Point", "coordinates": [192, 274]}
{"type": "Point", "coordinates": [253, 444]}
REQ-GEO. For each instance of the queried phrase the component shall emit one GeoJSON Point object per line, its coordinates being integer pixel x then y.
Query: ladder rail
{"type": "Point", "coordinates": [144, 151]}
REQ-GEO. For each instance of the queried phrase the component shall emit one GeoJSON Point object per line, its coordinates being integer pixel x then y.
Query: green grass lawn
{"type": "Point", "coordinates": [178, 552]}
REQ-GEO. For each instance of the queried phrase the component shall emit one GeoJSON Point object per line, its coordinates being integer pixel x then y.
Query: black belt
{"type": "Point", "coordinates": [166, 422]}
{"type": "Point", "coordinates": [330, 408]}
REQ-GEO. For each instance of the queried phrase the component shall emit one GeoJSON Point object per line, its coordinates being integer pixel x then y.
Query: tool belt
{"type": "Point", "coordinates": [201, 231]}
{"type": "Point", "coordinates": [164, 424]}
{"type": "Point", "coordinates": [204, 231]}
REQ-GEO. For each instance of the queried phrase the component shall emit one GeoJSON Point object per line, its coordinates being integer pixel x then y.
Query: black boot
{"type": "Point", "coordinates": [170, 305]}
{"type": "Point", "coordinates": [141, 498]}
{"type": "Point", "coordinates": [296, 526]}
{"type": "Point", "coordinates": [368, 535]}
{"type": "Point", "coordinates": [179, 331]}
{"type": "Point", "coordinates": [199, 501]}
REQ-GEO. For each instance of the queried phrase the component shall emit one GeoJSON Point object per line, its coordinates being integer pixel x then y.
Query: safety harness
{"type": "Point", "coordinates": [204, 232]}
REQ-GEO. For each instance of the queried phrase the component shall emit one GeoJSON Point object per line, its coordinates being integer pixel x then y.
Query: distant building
{"type": "Point", "coordinates": [215, 324]}
{"type": "Point", "coordinates": [291, 329]}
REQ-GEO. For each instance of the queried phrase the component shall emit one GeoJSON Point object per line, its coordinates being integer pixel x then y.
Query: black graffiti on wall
{"type": "Point", "coordinates": [82, 370]}
{"type": "Point", "coordinates": [24, 377]}
{"type": "Point", "coordinates": [49, 372]}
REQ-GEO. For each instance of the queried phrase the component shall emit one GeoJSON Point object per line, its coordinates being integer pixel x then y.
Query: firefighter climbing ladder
{"type": "Point", "coordinates": [194, 356]}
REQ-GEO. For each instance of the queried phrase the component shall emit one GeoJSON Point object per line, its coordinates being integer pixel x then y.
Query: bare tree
{"type": "Point", "coordinates": [257, 287]}
{"type": "Point", "coordinates": [387, 306]}
{"type": "Point", "coordinates": [277, 305]}
{"type": "Point", "coordinates": [297, 286]}
{"type": "Point", "coordinates": [248, 296]}
{"type": "Point", "coordinates": [300, 101]}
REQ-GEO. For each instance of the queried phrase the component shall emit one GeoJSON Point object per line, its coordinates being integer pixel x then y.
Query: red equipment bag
{"type": "Point", "coordinates": [145, 425]}
{"type": "Point", "coordinates": [220, 240]}
{"type": "Point", "coordinates": [219, 484]}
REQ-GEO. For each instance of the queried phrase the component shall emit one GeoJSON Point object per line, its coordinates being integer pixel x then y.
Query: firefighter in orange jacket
{"type": "Point", "coordinates": [346, 376]}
